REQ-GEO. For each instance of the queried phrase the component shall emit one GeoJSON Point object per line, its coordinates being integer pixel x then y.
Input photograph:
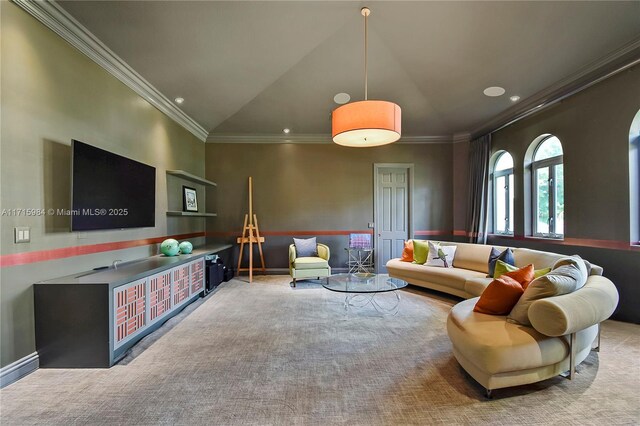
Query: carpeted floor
{"type": "Point", "coordinates": [268, 354]}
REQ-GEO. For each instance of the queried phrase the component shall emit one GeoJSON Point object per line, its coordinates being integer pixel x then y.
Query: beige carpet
{"type": "Point", "coordinates": [268, 354]}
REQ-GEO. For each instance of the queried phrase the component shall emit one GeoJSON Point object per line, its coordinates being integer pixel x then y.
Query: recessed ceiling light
{"type": "Point", "coordinates": [179, 100]}
{"type": "Point", "coordinates": [341, 98]}
{"type": "Point", "coordinates": [515, 98]}
{"type": "Point", "coordinates": [494, 91]}
{"type": "Point", "coordinates": [286, 130]}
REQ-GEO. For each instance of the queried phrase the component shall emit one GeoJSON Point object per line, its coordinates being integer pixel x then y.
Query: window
{"type": "Point", "coordinates": [502, 189]}
{"type": "Point", "coordinates": [547, 173]}
{"type": "Point", "coordinates": [634, 179]}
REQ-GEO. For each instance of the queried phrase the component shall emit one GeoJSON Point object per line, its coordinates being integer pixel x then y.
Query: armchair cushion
{"type": "Point", "coordinates": [310, 263]}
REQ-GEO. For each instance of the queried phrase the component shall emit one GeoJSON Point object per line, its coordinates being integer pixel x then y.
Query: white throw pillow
{"type": "Point", "coordinates": [440, 256]}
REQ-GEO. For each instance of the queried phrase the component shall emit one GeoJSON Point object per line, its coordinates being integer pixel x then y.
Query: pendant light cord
{"type": "Point", "coordinates": [366, 14]}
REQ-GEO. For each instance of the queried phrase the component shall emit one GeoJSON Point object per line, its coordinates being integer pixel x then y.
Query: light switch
{"type": "Point", "coordinates": [22, 234]}
{"type": "Point", "coordinates": [371, 225]}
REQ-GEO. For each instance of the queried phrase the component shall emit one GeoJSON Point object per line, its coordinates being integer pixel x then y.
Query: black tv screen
{"type": "Point", "coordinates": [110, 191]}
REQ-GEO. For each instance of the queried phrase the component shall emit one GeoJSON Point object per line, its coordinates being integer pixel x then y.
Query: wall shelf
{"type": "Point", "coordinates": [190, 177]}
{"type": "Point", "coordinates": [192, 214]}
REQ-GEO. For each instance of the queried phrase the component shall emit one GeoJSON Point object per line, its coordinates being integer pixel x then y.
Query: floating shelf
{"type": "Point", "coordinates": [192, 214]}
{"type": "Point", "coordinates": [190, 177]}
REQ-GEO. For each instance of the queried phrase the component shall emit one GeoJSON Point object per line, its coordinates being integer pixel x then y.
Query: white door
{"type": "Point", "coordinates": [392, 211]}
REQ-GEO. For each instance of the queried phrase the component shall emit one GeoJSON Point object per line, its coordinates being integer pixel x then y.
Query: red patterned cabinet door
{"type": "Point", "coordinates": [197, 276]}
{"type": "Point", "coordinates": [129, 304]}
{"type": "Point", "coordinates": [180, 284]}
{"type": "Point", "coordinates": [159, 295]}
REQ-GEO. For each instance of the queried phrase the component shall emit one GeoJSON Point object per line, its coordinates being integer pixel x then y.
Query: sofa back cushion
{"type": "Point", "coordinates": [577, 262]}
{"type": "Point", "coordinates": [593, 269]}
{"type": "Point", "coordinates": [473, 256]}
{"type": "Point", "coordinates": [570, 274]}
{"type": "Point", "coordinates": [539, 259]}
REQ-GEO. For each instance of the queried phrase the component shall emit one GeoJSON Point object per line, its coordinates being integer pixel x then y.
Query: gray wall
{"type": "Point", "coordinates": [593, 127]}
{"type": "Point", "coordinates": [52, 93]}
{"type": "Point", "coordinates": [460, 171]}
{"type": "Point", "coordinates": [320, 187]}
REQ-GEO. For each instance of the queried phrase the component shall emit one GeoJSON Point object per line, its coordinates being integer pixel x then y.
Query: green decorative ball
{"type": "Point", "coordinates": [169, 247]}
{"type": "Point", "coordinates": [186, 247]}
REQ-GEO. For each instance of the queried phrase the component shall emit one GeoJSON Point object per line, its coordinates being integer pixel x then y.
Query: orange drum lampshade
{"type": "Point", "coordinates": [366, 123]}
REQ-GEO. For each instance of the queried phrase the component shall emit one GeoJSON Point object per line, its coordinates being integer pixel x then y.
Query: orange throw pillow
{"type": "Point", "coordinates": [407, 252]}
{"type": "Point", "coordinates": [499, 297]}
{"type": "Point", "coordinates": [523, 275]}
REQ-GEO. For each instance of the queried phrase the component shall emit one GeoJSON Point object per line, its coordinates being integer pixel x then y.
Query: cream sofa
{"type": "Point", "coordinates": [498, 353]}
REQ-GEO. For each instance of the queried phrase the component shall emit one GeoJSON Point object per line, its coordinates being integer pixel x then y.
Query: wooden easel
{"type": "Point", "coordinates": [251, 236]}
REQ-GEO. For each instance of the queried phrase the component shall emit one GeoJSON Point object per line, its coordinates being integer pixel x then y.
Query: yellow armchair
{"type": "Point", "coordinates": [308, 267]}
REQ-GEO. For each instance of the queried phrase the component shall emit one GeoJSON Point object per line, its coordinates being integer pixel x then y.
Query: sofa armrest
{"type": "Point", "coordinates": [569, 313]}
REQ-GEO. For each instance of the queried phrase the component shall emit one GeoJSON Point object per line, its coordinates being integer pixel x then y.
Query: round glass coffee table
{"type": "Point", "coordinates": [361, 290]}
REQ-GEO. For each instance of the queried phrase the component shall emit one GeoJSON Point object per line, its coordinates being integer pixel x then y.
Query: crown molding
{"type": "Point", "coordinates": [426, 139]}
{"type": "Point", "coordinates": [273, 138]}
{"type": "Point", "coordinates": [311, 139]}
{"type": "Point", "coordinates": [607, 66]}
{"type": "Point", "coordinates": [62, 23]}
{"type": "Point", "coordinates": [461, 137]}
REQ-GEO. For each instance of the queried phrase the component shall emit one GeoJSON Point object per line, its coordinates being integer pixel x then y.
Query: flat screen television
{"type": "Point", "coordinates": [110, 191]}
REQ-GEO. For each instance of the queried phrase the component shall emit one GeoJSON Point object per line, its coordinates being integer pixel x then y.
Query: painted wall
{"type": "Point", "coordinates": [460, 178]}
{"type": "Point", "coordinates": [321, 190]}
{"type": "Point", "coordinates": [593, 127]}
{"type": "Point", "coordinates": [52, 93]}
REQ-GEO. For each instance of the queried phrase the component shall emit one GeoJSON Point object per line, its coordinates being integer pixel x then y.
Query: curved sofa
{"type": "Point", "coordinates": [498, 353]}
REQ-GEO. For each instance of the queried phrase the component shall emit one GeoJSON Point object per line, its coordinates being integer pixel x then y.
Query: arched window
{"type": "Point", "coordinates": [547, 189]}
{"type": "Point", "coordinates": [502, 190]}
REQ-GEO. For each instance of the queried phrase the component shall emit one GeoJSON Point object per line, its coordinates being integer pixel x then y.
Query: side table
{"type": "Point", "coordinates": [360, 260]}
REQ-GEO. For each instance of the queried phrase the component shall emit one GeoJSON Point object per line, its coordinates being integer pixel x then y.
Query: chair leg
{"type": "Point", "coordinates": [294, 282]}
{"type": "Point", "coordinates": [487, 394]}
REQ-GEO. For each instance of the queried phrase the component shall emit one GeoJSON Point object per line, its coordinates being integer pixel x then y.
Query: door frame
{"type": "Point", "coordinates": [376, 168]}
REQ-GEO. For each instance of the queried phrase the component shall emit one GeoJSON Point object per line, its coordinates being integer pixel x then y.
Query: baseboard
{"type": "Point", "coordinates": [18, 369]}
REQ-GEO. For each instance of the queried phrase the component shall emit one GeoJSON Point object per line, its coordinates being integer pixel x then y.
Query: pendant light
{"type": "Point", "coordinates": [366, 123]}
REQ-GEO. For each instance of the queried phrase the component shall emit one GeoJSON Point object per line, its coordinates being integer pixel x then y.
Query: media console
{"type": "Point", "coordinates": [91, 319]}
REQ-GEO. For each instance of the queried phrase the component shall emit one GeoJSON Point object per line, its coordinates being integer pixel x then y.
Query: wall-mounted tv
{"type": "Point", "coordinates": [110, 191]}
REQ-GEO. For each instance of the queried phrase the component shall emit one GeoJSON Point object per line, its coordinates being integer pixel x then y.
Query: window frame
{"type": "Point", "coordinates": [507, 190]}
{"type": "Point", "coordinates": [550, 162]}
{"type": "Point", "coordinates": [634, 181]}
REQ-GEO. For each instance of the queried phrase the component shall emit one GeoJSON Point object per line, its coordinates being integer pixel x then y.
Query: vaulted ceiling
{"type": "Point", "coordinates": [254, 68]}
